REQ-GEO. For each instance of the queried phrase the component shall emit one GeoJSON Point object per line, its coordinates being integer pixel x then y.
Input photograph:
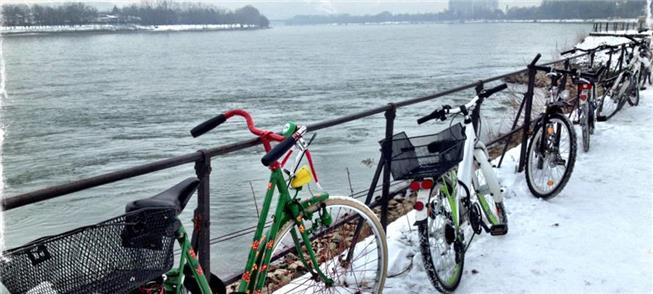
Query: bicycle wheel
{"type": "Point", "coordinates": [442, 253]}
{"type": "Point", "coordinates": [361, 270]}
{"type": "Point", "coordinates": [613, 100]}
{"type": "Point", "coordinates": [592, 116]}
{"type": "Point", "coordinates": [585, 125]}
{"type": "Point", "coordinates": [548, 173]}
{"type": "Point", "coordinates": [633, 91]}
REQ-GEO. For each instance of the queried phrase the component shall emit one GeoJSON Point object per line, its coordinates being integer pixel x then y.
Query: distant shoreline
{"type": "Point", "coordinates": [564, 21]}
{"type": "Point", "coordinates": [118, 28]}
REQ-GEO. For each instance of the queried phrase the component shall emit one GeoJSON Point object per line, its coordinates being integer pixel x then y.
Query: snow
{"type": "Point", "coordinates": [592, 42]}
{"type": "Point", "coordinates": [596, 236]}
{"type": "Point", "coordinates": [119, 27]}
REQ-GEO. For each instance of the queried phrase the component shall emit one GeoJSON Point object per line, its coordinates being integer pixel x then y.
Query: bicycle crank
{"type": "Point", "coordinates": [475, 220]}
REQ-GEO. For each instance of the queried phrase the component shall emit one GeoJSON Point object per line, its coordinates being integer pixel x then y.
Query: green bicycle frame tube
{"type": "Point", "coordinates": [260, 254]}
{"type": "Point", "coordinates": [175, 278]}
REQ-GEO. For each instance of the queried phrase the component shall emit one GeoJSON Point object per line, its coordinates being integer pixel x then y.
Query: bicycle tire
{"type": "Point", "coordinates": [585, 126]}
{"type": "Point", "coordinates": [633, 93]}
{"type": "Point", "coordinates": [191, 286]}
{"type": "Point", "coordinates": [571, 160]}
{"type": "Point", "coordinates": [376, 236]}
{"type": "Point", "coordinates": [609, 106]}
{"type": "Point", "coordinates": [429, 241]}
{"type": "Point", "coordinates": [592, 119]}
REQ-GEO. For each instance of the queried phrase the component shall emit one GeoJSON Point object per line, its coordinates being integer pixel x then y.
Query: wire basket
{"type": "Point", "coordinates": [426, 156]}
{"type": "Point", "coordinates": [114, 256]}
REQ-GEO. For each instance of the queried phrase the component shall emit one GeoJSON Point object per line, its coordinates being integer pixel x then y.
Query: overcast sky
{"type": "Point", "coordinates": [281, 9]}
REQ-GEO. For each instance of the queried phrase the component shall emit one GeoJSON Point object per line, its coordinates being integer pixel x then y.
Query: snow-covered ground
{"type": "Point", "coordinates": [119, 28]}
{"type": "Point", "coordinates": [596, 236]}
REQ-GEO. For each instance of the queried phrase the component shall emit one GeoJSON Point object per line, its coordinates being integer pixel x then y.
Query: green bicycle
{"type": "Point", "coordinates": [321, 243]}
{"type": "Point", "coordinates": [131, 253]}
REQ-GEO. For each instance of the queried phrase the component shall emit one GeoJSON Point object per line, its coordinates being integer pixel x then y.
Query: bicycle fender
{"type": "Point", "coordinates": [489, 174]}
{"type": "Point", "coordinates": [423, 197]}
{"type": "Point", "coordinates": [556, 107]}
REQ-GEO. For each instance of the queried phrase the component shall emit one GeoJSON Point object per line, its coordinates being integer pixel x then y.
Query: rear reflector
{"type": "Point", "coordinates": [419, 206]}
{"type": "Point", "coordinates": [414, 185]}
{"type": "Point", "coordinates": [427, 184]}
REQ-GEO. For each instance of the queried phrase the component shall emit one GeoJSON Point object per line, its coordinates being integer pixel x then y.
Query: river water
{"type": "Point", "coordinates": [80, 105]}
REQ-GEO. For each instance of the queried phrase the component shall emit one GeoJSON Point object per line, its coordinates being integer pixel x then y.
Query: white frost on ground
{"type": "Point", "coordinates": [595, 237]}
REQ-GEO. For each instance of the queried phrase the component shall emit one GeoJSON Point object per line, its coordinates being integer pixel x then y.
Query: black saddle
{"type": "Point", "coordinates": [176, 197]}
{"type": "Point", "coordinates": [593, 76]}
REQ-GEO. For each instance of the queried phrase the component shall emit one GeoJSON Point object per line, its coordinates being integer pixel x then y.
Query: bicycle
{"type": "Point", "coordinates": [585, 102]}
{"type": "Point", "coordinates": [314, 237]}
{"type": "Point", "coordinates": [445, 209]}
{"type": "Point", "coordinates": [551, 151]}
{"type": "Point", "coordinates": [131, 253]}
{"type": "Point", "coordinates": [626, 85]}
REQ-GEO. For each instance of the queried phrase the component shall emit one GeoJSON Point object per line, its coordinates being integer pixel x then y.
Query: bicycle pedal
{"type": "Point", "coordinates": [499, 230]}
{"type": "Point", "coordinates": [601, 118]}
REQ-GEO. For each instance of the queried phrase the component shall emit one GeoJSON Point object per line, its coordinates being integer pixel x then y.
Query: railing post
{"type": "Point", "coordinates": [527, 117]}
{"type": "Point", "coordinates": [390, 115]}
{"type": "Point", "coordinates": [202, 217]}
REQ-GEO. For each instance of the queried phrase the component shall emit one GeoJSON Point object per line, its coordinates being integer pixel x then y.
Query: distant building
{"type": "Point", "coordinates": [472, 7]}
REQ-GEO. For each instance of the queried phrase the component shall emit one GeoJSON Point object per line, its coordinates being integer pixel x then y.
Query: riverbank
{"type": "Point", "coordinates": [108, 28]}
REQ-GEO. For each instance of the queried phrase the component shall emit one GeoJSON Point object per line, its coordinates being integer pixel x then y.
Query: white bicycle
{"type": "Point", "coordinates": [447, 215]}
{"type": "Point", "coordinates": [626, 85]}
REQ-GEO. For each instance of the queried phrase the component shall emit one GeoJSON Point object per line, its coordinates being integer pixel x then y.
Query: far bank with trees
{"type": "Point", "coordinates": [547, 10]}
{"type": "Point", "coordinates": [164, 12]}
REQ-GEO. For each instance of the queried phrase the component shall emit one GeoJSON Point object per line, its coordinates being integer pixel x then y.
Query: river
{"type": "Point", "coordinates": [83, 104]}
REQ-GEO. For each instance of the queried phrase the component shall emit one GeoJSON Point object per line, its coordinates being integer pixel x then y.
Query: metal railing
{"type": "Point", "coordinates": [201, 239]}
{"type": "Point", "coordinates": [613, 26]}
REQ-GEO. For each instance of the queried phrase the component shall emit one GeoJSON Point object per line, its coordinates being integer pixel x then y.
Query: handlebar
{"type": "Point", "coordinates": [442, 112]}
{"type": "Point", "coordinates": [216, 121]}
{"type": "Point", "coordinates": [273, 154]}
{"type": "Point", "coordinates": [598, 48]}
{"type": "Point", "coordinates": [536, 59]}
{"type": "Point", "coordinates": [283, 147]}
{"type": "Point", "coordinates": [436, 114]}
{"type": "Point", "coordinates": [208, 125]}
{"type": "Point", "coordinates": [490, 92]}
{"type": "Point", "coordinates": [631, 38]}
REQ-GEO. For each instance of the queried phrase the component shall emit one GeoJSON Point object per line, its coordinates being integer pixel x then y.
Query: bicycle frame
{"type": "Point", "coordinates": [175, 277]}
{"type": "Point", "coordinates": [474, 152]}
{"type": "Point", "coordinates": [287, 210]}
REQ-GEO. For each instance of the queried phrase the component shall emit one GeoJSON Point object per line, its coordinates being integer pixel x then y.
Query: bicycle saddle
{"type": "Point", "coordinates": [175, 197]}
{"type": "Point", "coordinates": [593, 75]}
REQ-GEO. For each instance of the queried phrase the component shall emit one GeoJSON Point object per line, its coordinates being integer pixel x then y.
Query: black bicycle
{"type": "Point", "coordinates": [552, 148]}
{"type": "Point", "coordinates": [625, 85]}
{"type": "Point", "coordinates": [585, 104]}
